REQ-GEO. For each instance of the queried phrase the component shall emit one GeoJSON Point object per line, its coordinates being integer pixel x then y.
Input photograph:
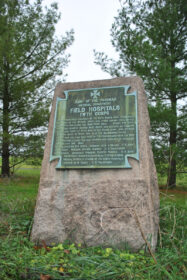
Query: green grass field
{"type": "Point", "coordinates": [21, 259]}
{"type": "Point", "coordinates": [181, 181]}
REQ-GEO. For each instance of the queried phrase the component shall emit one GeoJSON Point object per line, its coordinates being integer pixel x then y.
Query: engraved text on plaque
{"type": "Point", "coordinates": [95, 128]}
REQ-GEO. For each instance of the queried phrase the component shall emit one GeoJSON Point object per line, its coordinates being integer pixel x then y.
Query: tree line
{"type": "Point", "coordinates": [31, 59]}
{"type": "Point", "coordinates": [150, 38]}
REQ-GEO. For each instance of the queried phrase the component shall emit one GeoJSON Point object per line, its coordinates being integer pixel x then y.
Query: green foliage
{"type": "Point", "coordinates": [150, 38]}
{"type": "Point", "coordinates": [21, 259]}
{"type": "Point", "coordinates": [31, 59]}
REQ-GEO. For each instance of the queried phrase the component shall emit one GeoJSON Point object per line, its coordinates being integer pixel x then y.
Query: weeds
{"type": "Point", "coordinates": [21, 259]}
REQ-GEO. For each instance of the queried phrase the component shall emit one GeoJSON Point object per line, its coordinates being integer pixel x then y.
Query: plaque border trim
{"type": "Point", "coordinates": [134, 156]}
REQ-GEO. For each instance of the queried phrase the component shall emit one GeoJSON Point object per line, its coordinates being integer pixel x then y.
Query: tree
{"type": "Point", "coordinates": [150, 37]}
{"type": "Point", "coordinates": [30, 59]}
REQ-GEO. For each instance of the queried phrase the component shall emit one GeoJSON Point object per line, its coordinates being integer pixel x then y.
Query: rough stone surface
{"type": "Point", "coordinates": [100, 206]}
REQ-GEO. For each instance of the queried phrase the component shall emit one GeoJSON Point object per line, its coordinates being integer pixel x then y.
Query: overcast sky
{"type": "Point", "coordinates": [91, 21]}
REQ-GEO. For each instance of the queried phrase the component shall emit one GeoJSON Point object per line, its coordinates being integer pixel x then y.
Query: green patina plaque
{"type": "Point", "coordinates": [95, 128]}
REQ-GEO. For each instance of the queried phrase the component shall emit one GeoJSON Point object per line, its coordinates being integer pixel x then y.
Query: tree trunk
{"type": "Point", "coordinates": [172, 161]}
{"type": "Point", "coordinates": [5, 145]}
{"type": "Point", "coordinates": [5, 159]}
{"type": "Point", "coordinates": [171, 181]}
{"type": "Point", "coordinates": [5, 141]}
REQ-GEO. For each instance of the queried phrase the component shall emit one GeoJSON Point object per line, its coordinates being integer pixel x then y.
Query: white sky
{"type": "Point", "coordinates": [91, 21]}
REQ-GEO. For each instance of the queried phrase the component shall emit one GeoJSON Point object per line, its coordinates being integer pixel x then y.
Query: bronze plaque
{"type": "Point", "coordinates": [95, 128]}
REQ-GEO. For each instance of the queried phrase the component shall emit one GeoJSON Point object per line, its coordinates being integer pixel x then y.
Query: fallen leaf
{"type": "Point", "coordinates": [61, 269]}
{"type": "Point", "coordinates": [45, 277]}
{"type": "Point", "coordinates": [45, 246]}
{"type": "Point", "coordinates": [38, 247]}
{"type": "Point", "coordinates": [66, 251]}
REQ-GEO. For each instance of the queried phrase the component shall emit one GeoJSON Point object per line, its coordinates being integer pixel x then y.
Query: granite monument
{"type": "Point", "coordinates": [98, 182]}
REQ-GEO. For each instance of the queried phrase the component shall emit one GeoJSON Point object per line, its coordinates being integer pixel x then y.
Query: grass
{"type": "Point", "coordinates": [24, 184]}
{"type": "Point", "coordinates": [181, 181]}
{"type": "Point", "coordinates": [21, 259]}
{"type": "Point", "coordinates": [177, 198]}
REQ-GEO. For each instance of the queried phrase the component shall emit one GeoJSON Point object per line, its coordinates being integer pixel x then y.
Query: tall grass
{"type": "Point", "coordinates": [21, 259]}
